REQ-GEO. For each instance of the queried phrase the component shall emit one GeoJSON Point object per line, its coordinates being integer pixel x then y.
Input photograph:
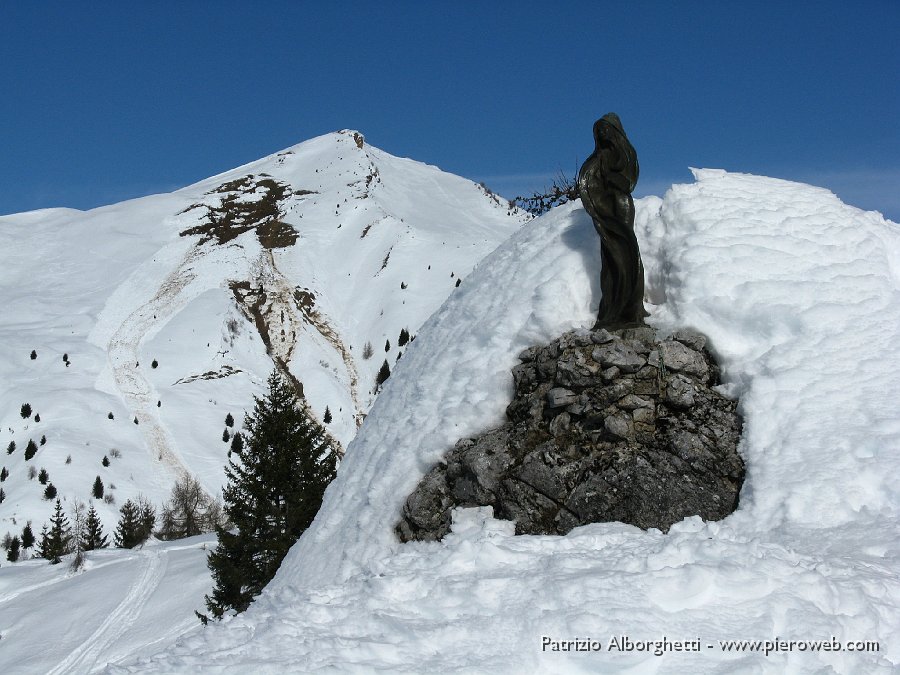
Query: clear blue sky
{"type": "Point", "coordinates": [101, 102]}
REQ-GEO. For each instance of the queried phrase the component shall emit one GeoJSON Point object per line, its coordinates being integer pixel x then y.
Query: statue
{"type": "Point", "coordinates": [606, 181]}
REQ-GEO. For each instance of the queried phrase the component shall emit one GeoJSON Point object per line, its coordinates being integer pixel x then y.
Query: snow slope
{"type": "Point", "coordinates": [172, 310]}
{"type": "Point", "coordinates": [121, 604]}
{"type": "Point", "coordinates": [800, 296]}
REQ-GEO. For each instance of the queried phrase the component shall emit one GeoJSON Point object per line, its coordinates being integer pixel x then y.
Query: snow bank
{"type": "Point", "coordinates": [799, 296]}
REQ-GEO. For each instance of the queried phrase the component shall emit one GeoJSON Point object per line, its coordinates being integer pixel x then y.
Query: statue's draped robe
{"type": "Point", "coordinates": [606, 181]}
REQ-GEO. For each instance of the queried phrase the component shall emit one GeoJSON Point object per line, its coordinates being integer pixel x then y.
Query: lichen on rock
{"type": "Point", "coordinates": [604, 425]}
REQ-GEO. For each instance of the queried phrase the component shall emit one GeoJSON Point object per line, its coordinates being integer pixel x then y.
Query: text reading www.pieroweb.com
{"type": "Point", "coordinates": [666, 645]}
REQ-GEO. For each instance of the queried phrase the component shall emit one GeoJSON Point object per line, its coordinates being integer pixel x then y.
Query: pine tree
{"type": "Point", "coordinates": [4, 474]}
{"type": "Point", "coordinates": [43, 440]}
{"type": "Point", "coordinates": [147, 518]}
{"type": "Point", "coordinates": [129, 528]}
{"type": "Point", "coordinates": [387, 345]}
{"type": "Point", "coordinates": [2, 495]}
{"type": "Point", "coordinates": [275, 487]}
{"type": "Point", "coordinates": [326, 418]}
{"type": "Point", "coordinates": [33, 355]}
{"type": "Point", "coordinates": [25, 411]}
{"type": "Point", "coordinates": [43, 476]}
{"type": "Point", "coordinates": [30, 449]}
{"type": "Point", "coordinates": [50, 491]}
{"type": "Point", "coordinates": [93, 537]}
{"type": "Point", "coordinates": [404, 337]}
{"type": "Point", "coordinates": [105, 461]}
{"type": "Point", "coordinates": [11, 448]}
{"type": "Point", "coordinates": [12, 554]}
{"type": "Point", "coordinates": [225, 436]}
{"type": "Point", "coordinates": [229, 420]}
{"type": "Point", "coordinates": [57, 539]}
{"type": "Point", "coordinates": [383, 374]}
{"type": "Point", "coordinates": [97, 490]}
{"type": "Point", "coordinates": [237, 442]}
{"type": "Point", "coordinates": [27, 537]}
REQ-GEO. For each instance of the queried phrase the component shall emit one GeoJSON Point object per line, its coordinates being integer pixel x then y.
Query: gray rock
{"type": "Point", "coordinates": [633, 432]}
{"type": "Point", "coordinates": [679, 392]}
{"type": "Point", "coordinates": [678, 357]}
{"type": "Point", "coordinates": [560, 397]}
{"type": "Point", "coordinates": [620, 355]}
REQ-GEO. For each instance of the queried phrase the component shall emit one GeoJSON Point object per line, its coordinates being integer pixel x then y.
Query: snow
{"type": "Point", "coordinates": [800, 297]}
{"type": "Point", "coordinates": [123, 603]}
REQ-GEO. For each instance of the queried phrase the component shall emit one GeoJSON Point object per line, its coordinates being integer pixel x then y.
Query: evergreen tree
{"type": "Point", "coordinates": [225, 436]}
{"type": "Point", "coordinates": [387, 345]}
{"type": "Point", "coordinates": [129, 529]}
{"type": "Point", "coordinates": [25, 411]}
{"type": "Point", "coordinates": [93, 537]}
{"type": "Point", "coordinates": [4, 474]}
{"type": "Point", "coordinates": [147, 518]}
{"type": "Point", "coordinates": [237, 442]}
{"type": "Point", "coordinates": [275, 487]}
{"type": "Point", "coordinates": [404, 338]}
{"type": "Point", "coordinates": [12, 554]}
{"type": "Point", "coordinates": [30, 449]}
{"type": "Point", "coordinates": [105, 461]}
{"type": "Point", "coordinates": [33, 355]}
{"type": "Point", "coordinates": [43, 439]}
{"type": "Point", "coordinates": [97, 490]}
{"type": "Point", "coordinates": [2, 495]}
{"type": "Point", "coordinates": [57, 540]}
{"type": "Point", "coordinates": [27, 537]}
{"type": "Point", "coordinates": [37, 418]}
{"type": "Point", "coordinates": [11, 448]}
{"type": "Point", "coordinates": [43, 476]}
{"type": "Point", "coordinates": [326, 418]}
{"type": "Point", "coordinates": [383, 374]}
{"type": "Point", "coordinates": [50, 491]}
{"type": "Point", "coordinates": [229, 420]}
{"type": "Point", "coordinates": [110, 415]}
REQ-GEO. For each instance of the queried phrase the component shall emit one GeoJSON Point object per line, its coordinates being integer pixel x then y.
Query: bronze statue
{"type": "Point", "coordinates": [606, 181]}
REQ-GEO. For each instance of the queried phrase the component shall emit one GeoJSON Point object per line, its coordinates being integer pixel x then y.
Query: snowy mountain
{"type": "Point", "coordinates": [152, 319]}
{"type": "Point", "coordinates": [800, 296]}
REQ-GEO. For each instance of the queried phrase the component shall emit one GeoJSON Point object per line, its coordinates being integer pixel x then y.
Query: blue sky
{"type": "Point", "coordinates": [101, 102]}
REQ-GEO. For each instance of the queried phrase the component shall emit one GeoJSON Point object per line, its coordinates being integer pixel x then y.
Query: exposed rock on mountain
{"type": "Point", "coordinates": [604, 426]}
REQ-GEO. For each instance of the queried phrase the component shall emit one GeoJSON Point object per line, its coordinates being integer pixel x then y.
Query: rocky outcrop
{"type": "Point", "coordinates": [604, 426]}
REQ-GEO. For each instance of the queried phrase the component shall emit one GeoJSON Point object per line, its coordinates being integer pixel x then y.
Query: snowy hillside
{"type": "Point", "coordinates": [800, 296]}
{"type": "Point", "coordinates": [153, 319]}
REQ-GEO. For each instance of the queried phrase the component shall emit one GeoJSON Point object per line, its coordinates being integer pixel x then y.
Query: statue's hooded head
{"type": "Point", "coordinates": [608, 125]}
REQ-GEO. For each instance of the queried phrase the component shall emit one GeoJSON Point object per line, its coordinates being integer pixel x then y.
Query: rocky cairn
{"type": "Point", "coordinates": [604, 426]}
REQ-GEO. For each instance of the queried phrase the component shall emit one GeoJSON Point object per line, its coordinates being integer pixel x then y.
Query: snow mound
{"type": "Point", "coordinates": [800, 297]}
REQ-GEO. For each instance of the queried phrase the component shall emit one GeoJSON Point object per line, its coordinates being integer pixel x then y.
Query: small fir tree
{"type": "Point", "coordinates": [147, 516]}
{"type": "Point", "coordinates": [50, 491]}
{"type": "Point", "coordinates": [37, 418]}
{"type": "Point", "coordinates": [326, 418]}
{"type": "Point", "coordinates": [383, 374]}
{"type": "Point", "coordinates": [275, 487]}
{"type": "Point", "coordinates": [110, 416]}
{"type": "Point", "coordinates": [154, 363]}
{"type": "Point", "coordinates": [2, 495]}
{"type": "Point", "coordinates": [225, 436]}
{"type": "Point", "coordinates": [43, 476]}
{"type": "Point", "coordinates": [11, 448]}
{"type": "Point", "coordinates": [404, 338]}
{"type": "Point", "coordinates": [33, 355]}
{"type": "Point", "coordinates": [97, 490]}
{"type": "Point", "coordinates": [25, 411]}
{"type": "Point", "coordinates": [30, 449]}
{"type": "Point", "coordinates": [229, 420]}
{"type": "Point", "coordinates": [105, 461]}
{"type": "Point", "coordinates": [12, 553]}
{"type": "Point", "coordinates": [58, 538]}
{"type": "Point", "coordinates": [237, 442]}
{"type": "Point", "coordinates": [27, 537]}
{"type": "Point", "coordinates": [4, 474]}
{"type": "Point", "coordinates": [387, 345]}
{"type": "Point", "coordinates": [129, 528]}
{"type": "Point", "coordinates": [93, 536]}
{"type": "Point", "coordinates": [43, 440]}
{"type": "Point", "coordinates": [367, 351]}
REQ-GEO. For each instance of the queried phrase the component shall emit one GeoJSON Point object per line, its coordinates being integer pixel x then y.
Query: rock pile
{"type": "Point", "coordinates": [604, 426]}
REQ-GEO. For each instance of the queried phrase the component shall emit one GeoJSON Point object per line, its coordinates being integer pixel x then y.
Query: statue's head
{"type": "Point", "coordinates": [608, 126]}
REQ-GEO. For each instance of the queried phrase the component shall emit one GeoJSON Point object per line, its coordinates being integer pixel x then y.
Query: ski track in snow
{"type": "Point", "coordinates": [84, 659]}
